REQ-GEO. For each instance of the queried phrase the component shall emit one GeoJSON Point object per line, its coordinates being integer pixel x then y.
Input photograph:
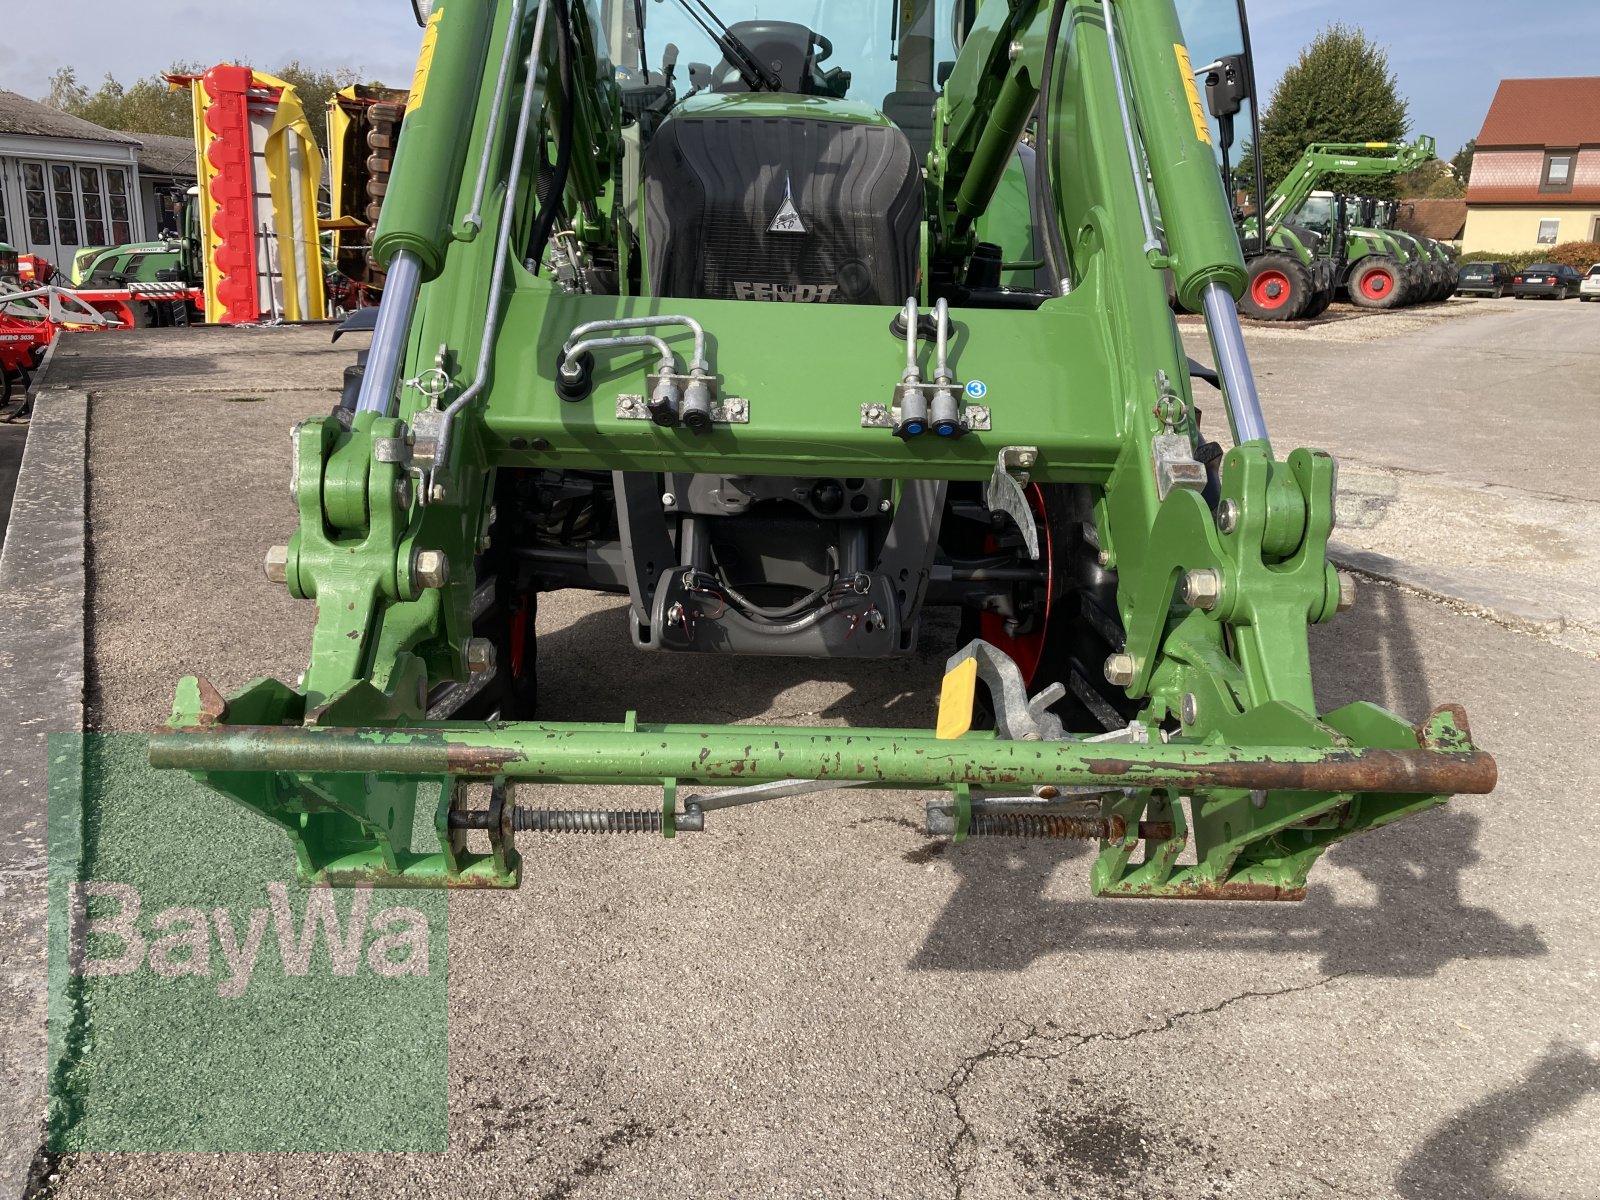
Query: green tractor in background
{"type": "Point", "coordinates": [1436, 261]}
{"type": "Point", "coordinates": [1310, 251]}
{"type": "Point", "coordinates": [174, 260]}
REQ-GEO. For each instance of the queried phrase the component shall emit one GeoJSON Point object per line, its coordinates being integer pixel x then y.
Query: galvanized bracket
{"type": "Point", "coordinates": [732, 410]}
{"type": "Point", "coordinates": [1006, 494]}
{"type": "Point", "coordinates": [1173, 452]}
{"type": "Point", "coordinates": [976, 417]}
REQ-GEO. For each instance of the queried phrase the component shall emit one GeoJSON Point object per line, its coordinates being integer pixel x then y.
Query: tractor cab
{"type": "Point", "coordinates": [787, 167]}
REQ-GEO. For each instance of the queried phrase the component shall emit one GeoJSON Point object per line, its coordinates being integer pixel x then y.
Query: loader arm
{"type": "Point", "coordinates": [1322, 159]}
{"type": "Point", "coordinates": [554, 316]}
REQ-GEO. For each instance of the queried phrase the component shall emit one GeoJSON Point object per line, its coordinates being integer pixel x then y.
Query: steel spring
{"type": "Point", "coordinates": [1041, 825]}
{"type": "Point", "coordinates": [547, 820]}
{"type": "Point", "coordinates": [1055, 825]}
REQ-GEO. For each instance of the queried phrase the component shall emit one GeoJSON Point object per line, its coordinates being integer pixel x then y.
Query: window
{"type": "Point", "coordinates": [66, 205]}
{"type": "Point", "coordinates": [117, 193]}
{"type": "Point", "coordinates": [1557, 173]}
{"type": "Point", "coordinates": [1548, 232]}
{"type": "Point", "coordinates": [5, 228]}
{"type": "Point", "coordinates": [37, 202]}
{"type": "Point", "coordinates": [94, 222]}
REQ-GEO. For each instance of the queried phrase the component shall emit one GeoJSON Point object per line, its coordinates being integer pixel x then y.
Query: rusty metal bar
{"type": "Point", "coordinates": [608, 754]}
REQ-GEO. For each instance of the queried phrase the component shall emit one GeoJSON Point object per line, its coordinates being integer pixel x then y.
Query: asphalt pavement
{"type": "Point", "coordinates": [823, 1002]}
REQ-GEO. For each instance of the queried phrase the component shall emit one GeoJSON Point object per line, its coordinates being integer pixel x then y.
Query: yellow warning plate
{"type": "Point", "coordinates": [955, 700]}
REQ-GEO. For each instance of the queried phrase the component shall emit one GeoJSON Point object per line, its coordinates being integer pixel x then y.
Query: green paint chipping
{"type": "Point", "coordinates": [190, 1028]}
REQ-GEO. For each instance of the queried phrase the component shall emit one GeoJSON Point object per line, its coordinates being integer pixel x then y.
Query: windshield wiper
{"type": "Point", "coordinates": [751, 69]}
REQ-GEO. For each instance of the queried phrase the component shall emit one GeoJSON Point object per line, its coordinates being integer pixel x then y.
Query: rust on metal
{"type": "Point", "coordinates": [1418, 772]}
{"type": "Point", "coordinates": [1059, 826]}
{"type": "Point", "coordinates": [1235, 889]}
{"type": "Point", "coordinates": [213, 708]}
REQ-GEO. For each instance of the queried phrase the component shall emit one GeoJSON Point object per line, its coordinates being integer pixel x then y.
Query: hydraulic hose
{"type": "Point", "coordinates": [1045, 215]}
{"type": "Point", "coordinates": [545, 222]}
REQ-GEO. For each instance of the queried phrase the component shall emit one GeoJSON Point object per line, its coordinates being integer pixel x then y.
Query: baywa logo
{"type": "Point", "coordinates": [178, 941]}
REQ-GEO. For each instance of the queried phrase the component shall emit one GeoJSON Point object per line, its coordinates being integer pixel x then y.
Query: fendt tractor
{"type": "Point", "coordinates": [867, 315]}
{"type": "Point", "coordinates": [1317, 245]}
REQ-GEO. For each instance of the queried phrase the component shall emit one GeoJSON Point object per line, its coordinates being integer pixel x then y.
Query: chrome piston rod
{"type": "Point", "coordinates": [1233, 364]}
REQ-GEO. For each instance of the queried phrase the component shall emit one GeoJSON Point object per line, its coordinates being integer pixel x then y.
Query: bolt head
{"type": "Point", "coordinates": [480, 655]}
{"type": "Point", "coordinates": [277, 564]}
{"type": "Point", "coordinates": [1120, 670]}
{"type": "Point", "coordinates": [1228, 516]}
{"type": "Point", "coordinates": [430, 569]}
{"type": "Point", "coordinates": [405, 492]}
{"type": "Point", "coordinates": [1347, 591]}
{"type": "Point", "coordinates": [1191, 708]}
{"type": "Point", "coordinates": [668, 500]}
{"type": "Point", "coordinates": [1202, 589]}
{"type": "Point", "coordinates": [885, 506]}
{"type": "Point", "coordinates": [1103, 558]}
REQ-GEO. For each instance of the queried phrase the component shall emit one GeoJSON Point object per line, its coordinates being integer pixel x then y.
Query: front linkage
{"type": "Point", "coordinates": [1219, 568]}
{"type": "Point", "coordinates": [1270, 787]}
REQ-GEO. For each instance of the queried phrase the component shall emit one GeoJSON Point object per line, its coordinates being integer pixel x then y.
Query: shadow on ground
{"type": "Point", "coordinates": [1002, 917]}
{"type": "Point", "coordinates": [1463, 1157]}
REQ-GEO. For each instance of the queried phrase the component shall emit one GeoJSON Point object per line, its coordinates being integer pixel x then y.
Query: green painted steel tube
{"type": "Point", "coordinates": [1199, 228]}
{"type": "Point", "coordinates": [916, 759]}
{"type": "Point", "coordinates": [419, 207]}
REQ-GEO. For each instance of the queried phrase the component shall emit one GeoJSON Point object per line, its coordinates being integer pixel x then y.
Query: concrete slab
{"type": "Point", "coordinates": [42, 604]}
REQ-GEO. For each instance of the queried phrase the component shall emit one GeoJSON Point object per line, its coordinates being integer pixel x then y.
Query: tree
{"type": "Point", "coordinates": [150, 105]}
{"type": "Point", "coordinates": [1434, 180]}
{"type": "Point", "coordinates": [1461, 164]}
{"type": "Point", "coordinates": [1340, 90]}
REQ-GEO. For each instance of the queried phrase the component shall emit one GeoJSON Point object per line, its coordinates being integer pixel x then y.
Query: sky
{"type": "Point", "coordinates": [1448, 54]}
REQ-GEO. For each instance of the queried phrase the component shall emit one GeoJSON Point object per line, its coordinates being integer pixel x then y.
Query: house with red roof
{"type": "Point", "coordinates": [1536, 174]}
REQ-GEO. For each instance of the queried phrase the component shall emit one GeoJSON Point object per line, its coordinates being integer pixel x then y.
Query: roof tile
{"type": "Point", "coordinates": [18, 114]}
{"type": "Point", "coordinates": [1544, 112]}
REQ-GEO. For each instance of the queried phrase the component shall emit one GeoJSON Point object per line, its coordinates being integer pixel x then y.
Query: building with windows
{"type": "Point", "coordinates": [1536, 172]}
{"type": "Point", "coordinates": [64, 183]}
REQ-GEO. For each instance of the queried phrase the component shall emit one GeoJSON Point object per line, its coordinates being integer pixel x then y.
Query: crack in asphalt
{"type": "Point", "coordinates": [1057, 1043]}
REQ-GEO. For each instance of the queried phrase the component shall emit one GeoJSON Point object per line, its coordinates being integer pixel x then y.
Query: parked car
{"type": "Point", "coordinates": [1546, 279]}
{"type": "Point", "coordinates": [1590, 288]}
{"type": "Point", "coordinates": [1484, 279]}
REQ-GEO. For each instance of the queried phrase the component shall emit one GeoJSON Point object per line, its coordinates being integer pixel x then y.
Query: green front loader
{"type": "Point", "coordinates": [790, 348]}
{"type": "Point", "coordinates": [1309, 255]}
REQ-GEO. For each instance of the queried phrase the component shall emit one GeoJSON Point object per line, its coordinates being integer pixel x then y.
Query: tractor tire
{"type": "Point", "coordinates": [1279, 289]}
{"type": "Point", "coordinates": [1376, 282]}
{"type": "Point", "coordinates": [1319, 304]}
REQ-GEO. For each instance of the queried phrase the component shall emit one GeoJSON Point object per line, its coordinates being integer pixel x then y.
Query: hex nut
{"type": "Point", "coordinates": [480, 655]}
{"type": "Point", "coordinates": [1120, 669]}
{"type": "Point", "coordinates": [1347, 591]}
{"type": "Point", "coordinates": [429, 569]}
{"type": "Point", "coordinates": [1202, 589]}
{"type": "Point", "coordinates": [277, 564]}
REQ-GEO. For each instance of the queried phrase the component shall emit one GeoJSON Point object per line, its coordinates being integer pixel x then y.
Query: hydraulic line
{"type": "Point", "coordinates": [1045, 215]}
{"type": "Point", "coordinates": [544, 224]}
{"type": "Point", "coordinates": [491, 325]}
